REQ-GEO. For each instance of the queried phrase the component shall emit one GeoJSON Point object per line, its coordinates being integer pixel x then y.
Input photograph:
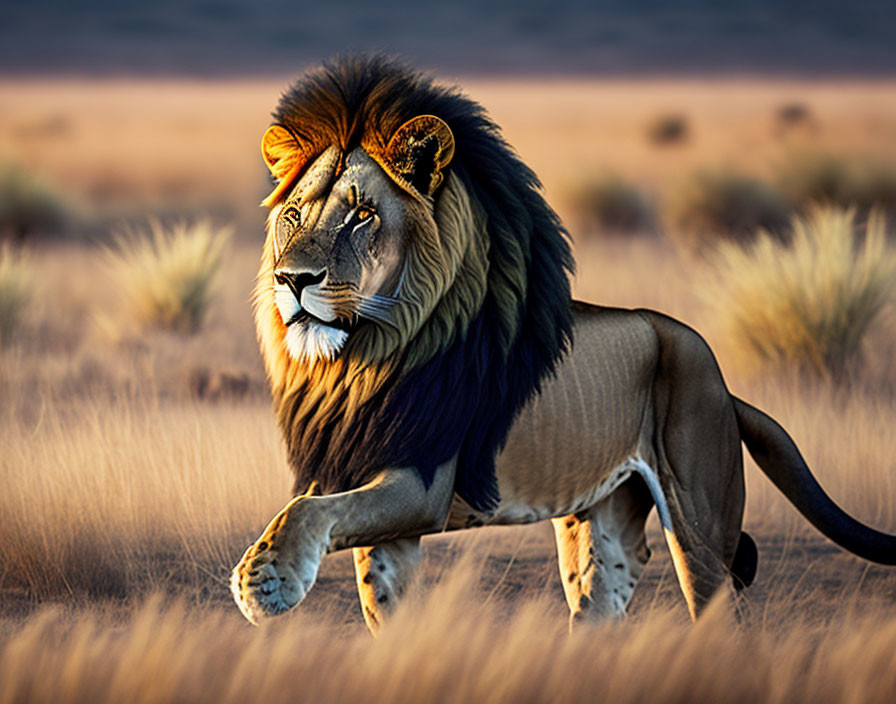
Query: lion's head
{"type": "Point", "coordinates": [414, 284]}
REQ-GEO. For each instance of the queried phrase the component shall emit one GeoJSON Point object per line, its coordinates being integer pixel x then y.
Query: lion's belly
{"type": "Point", "coordinates": [572, 444]}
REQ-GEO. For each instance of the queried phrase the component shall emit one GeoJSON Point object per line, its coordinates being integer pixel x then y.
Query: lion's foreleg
{"type": "Point", "coordinates": [383, 573]}
{"type": "Point", "coordinates": [277, 571]}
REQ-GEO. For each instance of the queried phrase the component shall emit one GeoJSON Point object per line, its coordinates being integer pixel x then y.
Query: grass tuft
{"type": "Point", "coordinates": [16, 277]}
{"type": "Point", "coordinates": [808, 304]}
{"type": "Point", "coordinates": [167, 274]}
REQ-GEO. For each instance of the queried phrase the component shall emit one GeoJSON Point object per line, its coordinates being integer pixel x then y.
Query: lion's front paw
{"type": "Point", "coordinates": [267, 583]}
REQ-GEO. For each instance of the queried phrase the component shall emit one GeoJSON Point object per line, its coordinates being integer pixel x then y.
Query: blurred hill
{"type": "Point", "coordinates": [494, 37]}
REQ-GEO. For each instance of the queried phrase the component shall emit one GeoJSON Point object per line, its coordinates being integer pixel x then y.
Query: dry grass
{"type": "Point", "coordinates": [132, 495]}
{"type": "Point", "coordinates": [447, 649]}
{"type": "Point", "coordinates": [167, 274]}
{"type": "Point", "coordinates": [809, 303]}
{"type": "Point", "coordinates": [16, 281]}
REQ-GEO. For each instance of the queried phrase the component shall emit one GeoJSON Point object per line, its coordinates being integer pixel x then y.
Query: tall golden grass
{"type": "Point", "coordinates": [447, 649]}
{"type": "Point", "coordinates": [120, 496]}
{"type": "Point", "coordinates": [811, 302]}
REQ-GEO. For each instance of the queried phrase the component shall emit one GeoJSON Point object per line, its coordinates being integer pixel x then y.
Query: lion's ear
{"type": "Point", "coordinates": [418, 152]}
{"type": "Point", "coordinates": [284, 156]}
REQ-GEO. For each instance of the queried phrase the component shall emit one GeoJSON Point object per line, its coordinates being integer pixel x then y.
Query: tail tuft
{"type": "Point", "coordinates": [746, 559]}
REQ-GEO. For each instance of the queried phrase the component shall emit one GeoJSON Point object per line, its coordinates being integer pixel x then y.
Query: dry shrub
{"type": "Point", "coordinates": [668, 129]}
{"type": "Point", "coordinates": [793, 114]}
{"type": "Point", "coordinates": [816, 177]}
{"type": "Point", "coordinates": [27, 204]}
{"type": "Point", "coordinates": [723, 203]}
{"type": "Point", "coordinates": [877, 187]}
{"type": "Point", "coordinates": [808, 304]}
{"type": "Point", "coordinates": [446, 650]}
{"type": "Point", "coordinates": [610, 204]}
{"type": "Point", "coordinates": [16, 277]}
{"type": "Point", "coordinates": [167, 274]}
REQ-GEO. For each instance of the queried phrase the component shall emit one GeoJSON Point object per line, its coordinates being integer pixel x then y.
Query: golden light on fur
{"type": "Point", "coordinates": [399, 156]}
{"type": "Point", "coordinates": [283, 155]}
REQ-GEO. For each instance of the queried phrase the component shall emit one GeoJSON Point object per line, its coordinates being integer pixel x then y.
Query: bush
{"type": "Point", "coordinates": [810, 303]}
{"type": "Point", "coordinates": [27, 204]}
{"type": "Point", "coordinates": [818, 178]}
{"type": "Point", "coordinates": [824, 178]}
{"type": "Point", "coordinates": [167, 275]}
{"type": "Point", "coordinates": [16, 278]}
{"type": "Point", "coordinates": [608, 203]}
{"type": "Point", "coordinates": [877, 187]}
{"type": "Point", "coordinates": [793, 114]}
{"type": "Point", "coordinates": [668, 129]}
{"type": "Point", "coordinates": [725, 203]}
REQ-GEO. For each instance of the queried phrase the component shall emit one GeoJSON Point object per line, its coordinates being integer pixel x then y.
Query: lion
{"type": "Point", "coordinates": [431, 372]}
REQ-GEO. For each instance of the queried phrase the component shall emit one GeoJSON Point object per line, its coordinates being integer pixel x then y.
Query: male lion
{"type": "Point", "coordinates": [414, 314]}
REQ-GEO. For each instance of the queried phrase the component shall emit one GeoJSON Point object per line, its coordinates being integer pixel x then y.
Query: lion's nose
{"type": "Point", "coordinates": [297, 281]}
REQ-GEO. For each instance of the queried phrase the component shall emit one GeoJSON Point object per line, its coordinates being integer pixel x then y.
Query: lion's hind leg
{"type": "Point", "coordinates": [602, 552]}
{"type": "Point", "coordinates": [383, 573]}
{"type": "Point", "coordinates": [698, 460]}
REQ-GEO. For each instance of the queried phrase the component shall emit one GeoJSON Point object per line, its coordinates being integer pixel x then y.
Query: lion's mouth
{"type": "Point", "coordinates": [305, 318]}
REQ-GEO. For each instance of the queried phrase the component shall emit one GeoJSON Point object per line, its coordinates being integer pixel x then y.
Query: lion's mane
{"type": "Point", "coordinates": [495, 324]}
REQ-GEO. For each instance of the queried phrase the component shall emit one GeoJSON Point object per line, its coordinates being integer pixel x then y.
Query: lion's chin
{"type": "Point", "coordinates": [309, 341]}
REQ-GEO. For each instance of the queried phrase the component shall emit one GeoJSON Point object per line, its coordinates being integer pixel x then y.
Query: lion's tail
{"type": "Point", "coordinates": [777, 456]}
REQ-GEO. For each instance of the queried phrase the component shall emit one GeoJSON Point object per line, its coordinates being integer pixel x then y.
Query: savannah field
{"type": "Point", "coordinates": [138, 463]}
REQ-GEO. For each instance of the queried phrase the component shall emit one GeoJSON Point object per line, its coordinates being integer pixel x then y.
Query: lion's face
{"type": "Point", "coordinates": [338, 242]}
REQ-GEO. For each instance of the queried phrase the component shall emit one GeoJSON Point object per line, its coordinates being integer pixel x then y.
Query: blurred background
{"type": "Point", "coordinates": [125, 107]}
{"type": "Point", "coordinates": [229, 38]}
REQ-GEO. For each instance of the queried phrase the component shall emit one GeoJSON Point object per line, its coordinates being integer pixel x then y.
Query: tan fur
{"type": "Point", "coordinates": [574, 455]}
{"type": "Point", "coordinates": [382, 574]}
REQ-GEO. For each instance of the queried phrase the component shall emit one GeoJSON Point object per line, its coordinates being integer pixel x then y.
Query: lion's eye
{"type": "Point", "coordinates": [358, 216]}
{"type": "Point", "coordinates": [293, 214]}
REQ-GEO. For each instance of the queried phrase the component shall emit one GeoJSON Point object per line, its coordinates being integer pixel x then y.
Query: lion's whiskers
{"type": "Point", "coordinates": [379, 307]}
{"type": "Point", "coordinates": [347, 302]}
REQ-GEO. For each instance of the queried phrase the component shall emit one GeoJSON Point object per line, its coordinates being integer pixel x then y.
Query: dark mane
{"type": "Point", "coordinates": [464, 400]}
